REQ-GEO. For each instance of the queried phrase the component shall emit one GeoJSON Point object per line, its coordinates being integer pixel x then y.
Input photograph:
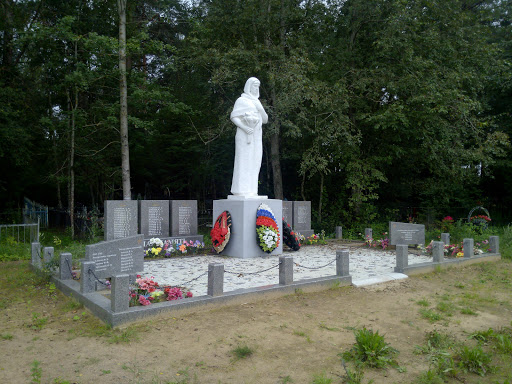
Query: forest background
{"type": "Point", "coordinates": [378, 109]}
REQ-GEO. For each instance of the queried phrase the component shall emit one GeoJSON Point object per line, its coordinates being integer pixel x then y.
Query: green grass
{"type": "Point", "coordinates": [242, 352]}
{"type": "Point", "coordinates": [430, 315]}
{"type": "Point", "coordinates": [423, 303]}
{"type": "Point", "coordinates": [321, 379]}
{"type": "Point", "coordinates": [445, 308]}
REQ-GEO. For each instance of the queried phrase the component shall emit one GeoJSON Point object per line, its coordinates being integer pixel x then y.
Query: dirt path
{"type": "Point", "coordinates": [292, 338]}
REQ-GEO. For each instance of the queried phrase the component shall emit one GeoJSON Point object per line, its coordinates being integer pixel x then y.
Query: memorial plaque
{"type": "Point", "coordinates": [405, 233]}
{"type": "Point", "coordinates": [154, 218]}
{"type": "Point", "coordinates": [120, 219]}
{"type": "Point", "coordinates": [120, 256]}
{"type": "Point", "coordinates": [183, 217]}
{"type": "Point", "coordinates": [301, 215]}
{"type": "Point", "coordinates": [288, 212]}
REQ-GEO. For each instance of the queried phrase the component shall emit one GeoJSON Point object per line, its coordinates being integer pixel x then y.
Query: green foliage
{"type": "Point", "coordinates": [371, 349]}
{"type": "Point", "coordinates": [429, 377]}
{"type": "Point", "coordinates": [36, 372]}
{"type": "Point", "coordinates": [38, 321]}
{"type": "Point", "coordinates": [474, 360]}
{"type": "Point", "coordinates": [242, 352]}
{"type": "Point", "coordinates": [321, 379]}
{"type": "Point", "coordinates": [430, 315]}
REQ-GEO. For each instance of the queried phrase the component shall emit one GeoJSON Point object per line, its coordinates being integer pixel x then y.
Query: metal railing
{"type": "Point", "coordinates": [20, 232]}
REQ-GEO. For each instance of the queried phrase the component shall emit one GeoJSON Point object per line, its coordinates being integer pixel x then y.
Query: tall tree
{"type": "Point", "coordinates": [123, 92]}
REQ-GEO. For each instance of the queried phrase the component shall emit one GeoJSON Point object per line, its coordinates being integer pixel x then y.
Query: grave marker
{"type": "Point", "coordinates": [288, 212]}
{"type": "Point", "coordinates": [121, 219]}
{"type": "Point", "coordinates": [183, 218]}
{"type": "Point", "coordinates": [406, 233]}
{"type": "Point", "coordinates": [154, 218]}
{"type": "Point", "coordinates": [114, 257]}
{"type": "Point", "coordinates": [302, 218]}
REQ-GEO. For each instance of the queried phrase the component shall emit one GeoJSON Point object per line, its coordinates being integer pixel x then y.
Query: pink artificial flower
{"type": "Point", "coordinates": [188, 294]}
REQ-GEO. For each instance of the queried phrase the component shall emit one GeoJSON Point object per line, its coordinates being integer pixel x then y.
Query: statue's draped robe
{"type": "Point", "coordinates": [248, 150]}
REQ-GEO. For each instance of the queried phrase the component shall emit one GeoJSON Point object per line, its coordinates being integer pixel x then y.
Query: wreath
{"type": "Point", "coordinates": [290, 238]}
{"type": "Point", "coordinates": [221, 231]}
{"type": "Point", "coordinates": [267, 231]}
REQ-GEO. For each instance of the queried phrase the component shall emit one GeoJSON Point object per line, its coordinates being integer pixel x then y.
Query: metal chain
{"type": "Point", "coordinates": [73, 275]}
{"type": "Point", "coordinates": [323, 266]}
{"type": "Point", "coordinates": [96, 277]}
{"type": "Point", "coordinates": [252, 273]}
{"type": "Point", "coordinates": [186, 282]}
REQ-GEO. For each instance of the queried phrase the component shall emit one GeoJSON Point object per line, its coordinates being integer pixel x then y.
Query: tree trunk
{"type": "Point", "coordinates": [275, 158]}
{"type": "Point", "coordinates": [320, 198]}
{"type": "Point", "coordinates": [7, 54]}
{"type": "Point", "coordinates": [123, 93]}
{"type": "Point", "coordinates": [71, 161]}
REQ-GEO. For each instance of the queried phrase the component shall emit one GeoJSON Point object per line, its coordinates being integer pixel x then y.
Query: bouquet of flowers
{"type": "Point", "coordinates": [155, 246]}
{"type": "Point", "coordinates": [147, 291]}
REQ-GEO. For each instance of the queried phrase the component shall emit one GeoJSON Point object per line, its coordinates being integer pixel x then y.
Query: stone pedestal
{"type": "Point", "coordinates": [242, 242]}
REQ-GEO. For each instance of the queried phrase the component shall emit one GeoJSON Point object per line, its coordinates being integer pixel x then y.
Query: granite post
{"type": "Point", "coordinates": [494, 244]}
{"type": "Point", "coordinates": [445, 238]}
{"type": "Point", "coordinates": [285, 270]}
{"type": "Point", "coordinates": [339, 232]}
{"type": "Point", "coordinates": [468, 245]}
{"type": "Point", "coordinates": [438, 251]}
{"type": "Point", "coordinates": [87, 280]}
{"type": "Point", "coordinates": [402, 257]}
{"type": "Point", "coordinates": [66, 266]}
{"type": "Point", "coordinates": [36, 255]}
{"type": "Point", "coordinates": [215, 279]}
{"type": "Point", "coordinates": [368, 233]}
{"type": "Point", "coordinates": [48, 253]}
{"type": "Point", "coordinates": [342, 262]}
{"type": "Point", "coordinates": [119, 297]}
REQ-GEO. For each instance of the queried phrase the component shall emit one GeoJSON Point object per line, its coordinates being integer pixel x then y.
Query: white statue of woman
{"type": "Point", "coordinates": [248, 115]}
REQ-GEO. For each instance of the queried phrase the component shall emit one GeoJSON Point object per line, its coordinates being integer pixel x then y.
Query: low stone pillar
{"type": "Point", "coordinates": [368, 233]}
{"type": "Point", "coordinates": [438, 251]}
{"type": "Point", "coordinates": [445, 238]}
{"type": "Point", "coordinates": [215, 279]}
{"type": "Point", "coordinates": [48, 253]}
{"type": "Point", "coordinates": [119, 297]}
{"type": "Point", "coordinates": [285, 270]}
{"type": "Point", "coordinates": [339, 232]}
{"type": "Point", "coordinates": [402, 257]}
{"type": "Point", "coordinates": [468, 245]}
{"type": "Point", "coordinates": [35, 252]}
{"type": "Point", "coordinates": [342, 262]}
{"type": "Point", "coordinates": [66, 266]}
{"type": "Point", "coordinates": [87, 280]}
{"type": "Point", "coordinates": [494, 244]}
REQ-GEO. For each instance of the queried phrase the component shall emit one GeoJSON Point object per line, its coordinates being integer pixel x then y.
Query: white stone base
{"type": "Point", "coordinates": [243, 197]}
{"type": "Point", "coordinates": [242, 242]}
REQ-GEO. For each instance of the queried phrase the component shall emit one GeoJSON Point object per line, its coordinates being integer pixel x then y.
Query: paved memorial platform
{"type": "Point", "coordinates": [367, 266]}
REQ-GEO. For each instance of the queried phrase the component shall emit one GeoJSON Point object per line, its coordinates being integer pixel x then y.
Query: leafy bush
{"type": "Point", "coordinates": [474, 360]}
{"type": "Point", "coordinates": [371, 349]}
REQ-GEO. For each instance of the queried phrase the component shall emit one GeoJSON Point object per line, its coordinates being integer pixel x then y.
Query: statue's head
{"type": "Point", "coordinates": [252, 87]}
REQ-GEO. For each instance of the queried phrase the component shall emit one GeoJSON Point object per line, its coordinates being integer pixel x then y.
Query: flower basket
{"type": "Point", "coordinates": [267, 231]}
{"type": "Point", "coordinates": [481, 220]}
{"type": "Point", "coordinates": [221, 231]}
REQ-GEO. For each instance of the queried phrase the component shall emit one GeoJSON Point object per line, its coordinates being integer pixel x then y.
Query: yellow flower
{"type": "Point", "coordinates": [460, 254]}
